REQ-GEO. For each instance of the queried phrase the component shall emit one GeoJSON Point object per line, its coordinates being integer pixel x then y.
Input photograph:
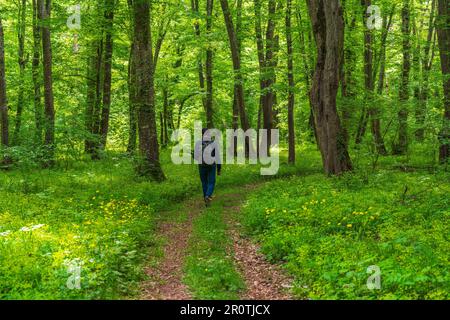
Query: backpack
{"type": "Point", "coordinates": [205, 144]}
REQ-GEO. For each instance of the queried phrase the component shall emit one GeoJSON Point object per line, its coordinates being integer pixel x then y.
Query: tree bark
{"type": "Point", "coordinates": [145, 92]}
{"type": "Point", "coordinates": [426, 63]}
{"type": "Point", "coordinates": [291, 83]}
{"type": "Point", "coordinates": [374, 111]}
{"type": "Point", "coordinates": [107, 68]}
{"type": "Point", "coordinates": [132, 137]}
{"type": "Point", "coordinates": [402, 144]}
{"type": "Point", "coordinates": [3, 98]}
{"type": "Point", "coordinates": [209, 68]}
{"type": "Point", "coordinates": [49, 110]}
{"type": "Point", "coordinates": [328, 27]}
{"type": "Point", "coordinates": [443, 32]}
{"type": "Point", "coordinates": [36, 74]}
{"type": "Point", "coordinates": [21, 29]}
{"type": "Point", "coordinates": [201, 76]}
{"type": "Point", "coordinates": [267, 62]}
{"type": "Point", "coordinates": [236, 58]}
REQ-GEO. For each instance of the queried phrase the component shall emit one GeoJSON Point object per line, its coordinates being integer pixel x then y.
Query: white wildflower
{"type": "Point", "coordinates": [38, 226]}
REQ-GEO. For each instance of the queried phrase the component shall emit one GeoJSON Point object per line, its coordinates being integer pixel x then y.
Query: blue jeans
{"type": "Point", "coordinates": [208, 177]}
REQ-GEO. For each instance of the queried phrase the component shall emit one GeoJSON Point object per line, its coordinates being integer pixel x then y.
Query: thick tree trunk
{"type": "Point", "coordinates": [443, 31]}
{"type": "Point", "coordinates": [145, 92]}
{"type": "Point", "coordinates": [21, 29]}
{"type": "Point", "coordinates": [36, 74]}
{"type": "Point", "coordinates": [236, 57]}
{"type": "Point", "coordinates": [291, 83]}
{"type": "Point", "coordinates": [209, 68]}
{"type": "Point", "coordinates": [402, 144]}
{"type": "Point", "coordinates": [328, 26]}
{"type": "Point", "coordinates": [107, 68]}
{"type": "Point", "coordinates": [49, 110]}
{"type": "Point", "coordinates": [3, 98]}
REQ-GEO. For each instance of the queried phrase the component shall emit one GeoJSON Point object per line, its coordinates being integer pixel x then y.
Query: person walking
{"type": "Point", "coordinates": [207, 155]}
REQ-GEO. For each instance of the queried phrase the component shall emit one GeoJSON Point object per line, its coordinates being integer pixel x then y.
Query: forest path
{"type": "Point", "coordinates": [201, 245]}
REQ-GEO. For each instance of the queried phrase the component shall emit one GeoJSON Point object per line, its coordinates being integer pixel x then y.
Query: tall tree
{"type": "Point", "coordinates": [132, 132]}
{"type": "Point", "coordinates": [201, 74]}
{"type": "Point", "coordinates": [36, 74]}
{"type": "Point", "coordinates": [370, 71]}
{"type": "Point", "coordinates": [21, 31]}
{"type": "Point", "coordinates": [291, 83]}
{"type": "Point", "coordinates": [107, 68]}
{"type": "Point", "coordinates": [145, 92]}
{"type": "Point", "coordinates": [426, 63]}
{"type": "Point", "coordinates": [443, 31]}
{"type": "Point", "coordinates": [267, 47]}
{"type": "Point", "coordinates": [49, 110]}
{"type": "Point", "coordinates": [402, 144]}
{"type": "Point", "coordinates": [348, 79]}
{"type": "Point", "coordinates": [236, 58]}
{"type": "Point", "coordinates": [328, 26]}
{"type": "Point", "coordinates": [209, 67]}
{"type": "Point", "coordinates": [3, 98]}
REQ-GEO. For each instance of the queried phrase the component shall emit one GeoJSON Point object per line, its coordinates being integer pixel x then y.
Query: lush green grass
{"type": "Point", "coordinates": [330, 230]}
{"type": "Point", "coordinates": [210, 269]}
{"type": "Point", "coordinates": [95, 213]}
{"type": "Point", "coordinates": [101, 215]}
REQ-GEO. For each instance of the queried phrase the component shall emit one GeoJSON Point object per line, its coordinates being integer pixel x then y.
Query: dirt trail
{"type": "Point", "coordinates": [263, 280]}
{"type": "Point", "coordinates": [166, 278]}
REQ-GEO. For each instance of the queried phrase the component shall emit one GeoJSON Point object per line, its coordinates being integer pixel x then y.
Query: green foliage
{"type": "Point", "coordinates": [329, 231]}
{"type": "Point", "coordinates": [210, 270]}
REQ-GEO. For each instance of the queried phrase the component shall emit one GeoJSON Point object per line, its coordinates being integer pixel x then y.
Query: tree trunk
{"type": "Point", "coordinates": [402, 144]}
{"type": "Point", "coordinates": [21, 29]}
{"type": "Point", "coordinates": [443, 31]}
{"type": "Point", "coordinates": [236, 58]}
{"type": "Point", "coordinates": [328, 26]}
{"type": "Point", "coordinates": [308, 71]}
{"type": "Point", "coordinates": [348, 81]}
{"type": "Point", "coordinates": [369, 73]}
{"type": "Point", "coordinates": [3, 98]}
{"type": "Point", "coordinates": [291, 83]}
{"type": "Point", "coordinates": [235, 120]}
{"type": "Point", "coordinates": [209, 67]}
{"type": "Point", "coordinates": [107, 66]}
{"type": "Point", "coordinates": [145, 92]}
{"type": "Point", "coordinates": [36, 74]}
{"type": "Point", "coordinates": [49, 110]}
{"type": "Point", "coordinates": [382, 59]}
{"type": "Point", "coordinates": [426, 63]}
{"type": "Point", "coordinates": [132, 137]}
{"type": "Point", "coordinates": [201, 76]}
{"type": "Point", "coordinates": [93, 98]}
